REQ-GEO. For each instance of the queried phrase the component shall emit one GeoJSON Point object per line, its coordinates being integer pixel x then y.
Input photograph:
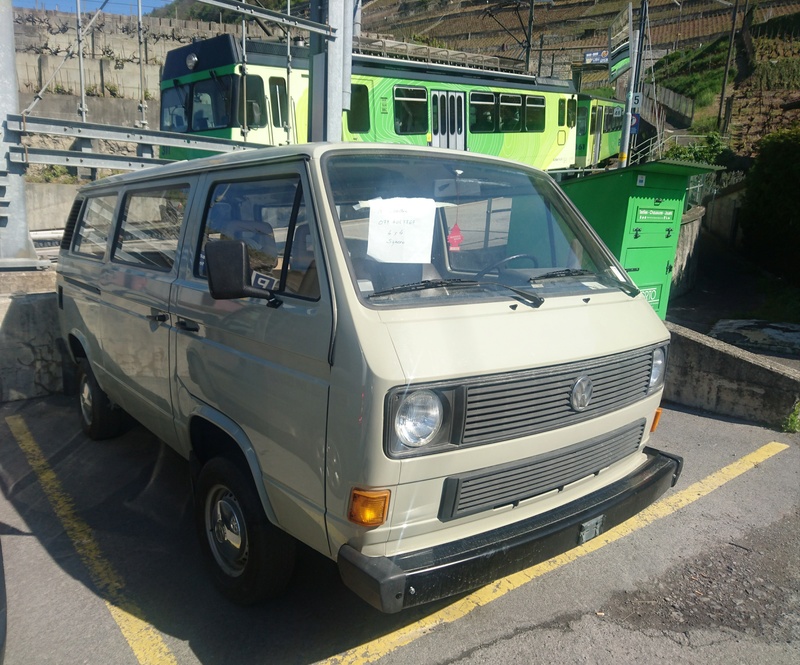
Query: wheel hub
{"type": "Point", "coordinates": [227, 533]}
{"type": "Point", "coordinates": [86, 401]}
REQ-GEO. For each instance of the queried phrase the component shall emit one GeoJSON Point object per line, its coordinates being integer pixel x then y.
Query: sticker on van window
{"type": "Point", "coordinates": [401, 230]}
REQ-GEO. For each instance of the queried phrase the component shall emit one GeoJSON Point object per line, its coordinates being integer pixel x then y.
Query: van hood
{"type": "Point", "coordinates": [444, 342]}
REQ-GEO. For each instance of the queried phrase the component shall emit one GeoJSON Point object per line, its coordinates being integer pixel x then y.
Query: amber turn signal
{"type": "Point", "coordinates": [656, 419]}
{"type": "Point", "coordinates": [369, 507]}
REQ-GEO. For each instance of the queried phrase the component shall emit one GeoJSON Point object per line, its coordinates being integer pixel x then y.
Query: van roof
{"type": "Point", "coordinates": [309, 151]}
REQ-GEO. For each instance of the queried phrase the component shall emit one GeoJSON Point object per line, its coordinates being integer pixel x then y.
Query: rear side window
{"type": "Point", "coordinates": [151, 224]}
{"type": "Point", "coordinates": [94, 226]}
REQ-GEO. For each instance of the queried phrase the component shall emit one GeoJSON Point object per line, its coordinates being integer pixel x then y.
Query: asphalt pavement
{"type": "Point", "coordinates": [102, 566]}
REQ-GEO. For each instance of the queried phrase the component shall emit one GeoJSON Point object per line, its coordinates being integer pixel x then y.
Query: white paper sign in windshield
{"type": "Point", "coordinates": [401, 230]}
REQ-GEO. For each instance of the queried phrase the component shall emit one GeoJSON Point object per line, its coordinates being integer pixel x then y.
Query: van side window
{"type": "Point", "coordinates": [270, 217]}
{"type": "Point", "coordinates": [151, 224]}
{"type": "Point", "coordinates": [94, 226]}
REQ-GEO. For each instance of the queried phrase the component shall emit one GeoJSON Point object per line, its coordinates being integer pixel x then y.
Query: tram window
{"type": "Point", "coordinates": [534, 114]}
{"type": "Point", "coordinates": [278, 101]}
{"type": "Point", "coordinates": [410, 110]}
{"type": "Point", "coordinates": [482, 112]}
{"type": "Point", "coordinates": [608, 119]}
{"type": "Point", "coordinates": [256, 103]}
{"type": "Point", "coordinates": [562, 112]}
{"type": "Point", "coordinates": [572, 109]}
{"type": "Point", "coordinates": [173, 109]}
{"type": "Point", "coordinates": [593, 119]}
{"type": "Point", "coordinates": [211, 103]}
{"type": "Point", "coordinates": [583, 120]}
{"type": "Point", "coordinates": [510, 113]}
{"type": "Point", "coordinates": [358, 115]}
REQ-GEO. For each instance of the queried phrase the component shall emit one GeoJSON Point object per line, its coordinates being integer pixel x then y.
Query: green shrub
{"type": "Point", "coordinates": [770, 213]}
{"type": "Point", "coordinates": [712, 149]}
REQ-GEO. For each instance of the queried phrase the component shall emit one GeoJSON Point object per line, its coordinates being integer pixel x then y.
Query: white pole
{"type": "Point", "coordinates": [82, 107]}
{"type": "Point", "coordinates": [16, 247]}
{"type": "Point", "coordinates": [142, 100]}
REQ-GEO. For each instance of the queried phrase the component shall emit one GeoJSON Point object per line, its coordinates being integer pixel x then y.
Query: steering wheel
{"type": "Point", "coordinates": [497, 264]}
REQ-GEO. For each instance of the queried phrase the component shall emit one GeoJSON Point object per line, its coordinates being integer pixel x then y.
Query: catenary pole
{"type": "Point", "coordinates": [16, 247]}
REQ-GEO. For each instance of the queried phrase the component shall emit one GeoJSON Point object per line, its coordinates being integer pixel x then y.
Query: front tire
{"type": "Point", "coordinates": [249, 558]}
{"type": "Point", "coordinates": [100, 417]}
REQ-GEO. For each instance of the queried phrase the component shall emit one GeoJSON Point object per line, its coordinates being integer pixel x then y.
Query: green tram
{"type": "Point", "coordinates": [598, 130]}
{"type": "Point", "coordinates": [393, 100]}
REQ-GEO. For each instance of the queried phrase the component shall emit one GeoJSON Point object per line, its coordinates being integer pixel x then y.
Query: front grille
{"type": "Point", "coordinates": [529, 402]}
{"type": "Point", "coordinates": [508, 484]}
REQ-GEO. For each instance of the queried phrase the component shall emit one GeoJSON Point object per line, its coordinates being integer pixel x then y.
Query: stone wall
{"type": "Point", "coordinates": [46, 45]}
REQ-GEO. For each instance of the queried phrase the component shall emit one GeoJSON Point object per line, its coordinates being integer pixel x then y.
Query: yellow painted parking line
{"type": "Point", "coordinates": [372, 651]}
{"type": "Point", "coordinates": [144, 640]}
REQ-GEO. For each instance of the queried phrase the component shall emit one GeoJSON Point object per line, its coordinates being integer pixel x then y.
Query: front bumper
{"type": "Point", "coordinates": [393, 583]}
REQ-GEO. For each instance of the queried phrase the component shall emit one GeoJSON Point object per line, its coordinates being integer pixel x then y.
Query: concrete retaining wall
{"type": "Point", "coordinates": [48, 205]}
{"type": "Point", "coordinates": [684, 271]}
{"type": "Point", "coordinates": [707, 374]}
{"type": "Point", "coordinates": [30, 364]}
{"type": "Point", "coordinates": [722, 214]}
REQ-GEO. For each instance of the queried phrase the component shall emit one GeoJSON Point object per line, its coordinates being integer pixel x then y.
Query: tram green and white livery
{"type": "Point", "coordinates": [509, 115]}
{"type": "Point", "coordinates": [598, 130]}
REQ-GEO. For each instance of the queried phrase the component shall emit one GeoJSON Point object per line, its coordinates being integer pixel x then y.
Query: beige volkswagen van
{"type": "Point", "coordinates": [423, 364]}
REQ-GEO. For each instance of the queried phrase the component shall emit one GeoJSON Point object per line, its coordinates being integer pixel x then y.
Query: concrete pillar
{"type": "Point", "coordinates": [16, 247]}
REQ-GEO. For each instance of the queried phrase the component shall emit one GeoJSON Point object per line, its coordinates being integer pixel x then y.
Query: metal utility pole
{"type": "Point", "coordinates": [82, 107]}
{"type": "Point", "coordinates": [727, 64]}
{"type": "Point", "coordinates": [633, 85]}
{"type": "Point", "coordinates": [16, 247]}
{"type": "Point", "coordinates": [528, 44]}
{"type": "Point", "coordinates": [142, 99]}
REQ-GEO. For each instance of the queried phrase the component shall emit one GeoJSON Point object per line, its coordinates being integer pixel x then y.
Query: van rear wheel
{"type": "Point", "coordinates": [100, 417]}
{"type": "Point", "coordinates": [250, 559]}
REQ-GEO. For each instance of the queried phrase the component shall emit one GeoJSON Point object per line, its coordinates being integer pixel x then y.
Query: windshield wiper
{"type": "Point", "coordinates": [527, 298]}
{"type": "Point", "coordinates": [629, 289]}
{"type": "Point", "coordinates": [421, 286]}
{"type": "Point", "coordinates": [566, 272]}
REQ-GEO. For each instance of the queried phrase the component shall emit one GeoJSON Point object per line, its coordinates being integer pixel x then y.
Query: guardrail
{"type": "Point", "coordinates": [87, 156]}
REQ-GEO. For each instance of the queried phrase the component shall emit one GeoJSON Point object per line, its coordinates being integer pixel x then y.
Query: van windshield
{"type": "Point", "coordinates": [421, 229]}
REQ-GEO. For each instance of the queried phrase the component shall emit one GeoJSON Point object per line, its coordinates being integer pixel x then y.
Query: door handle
{"type": "Point", "coordinates": [188, 326]}
{"type": "Point", "coordinates": [158, 317]}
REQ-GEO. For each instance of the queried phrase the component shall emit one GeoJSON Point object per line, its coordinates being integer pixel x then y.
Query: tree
{"type": "Point", "coordinates": [770, 213]}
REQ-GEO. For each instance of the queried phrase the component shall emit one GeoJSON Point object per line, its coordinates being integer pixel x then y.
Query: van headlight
{"type": "Point", "coordinates": [419, 418]}
{"type": "Point", "coordinates": [658, 368]}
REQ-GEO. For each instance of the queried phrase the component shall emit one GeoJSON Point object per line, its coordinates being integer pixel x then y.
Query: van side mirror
{"type": "Point", "coordinates": [228, 268]}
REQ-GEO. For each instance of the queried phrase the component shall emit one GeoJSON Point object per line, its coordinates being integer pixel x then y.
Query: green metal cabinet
{"type": "Point", "coordinates": [637, 212]}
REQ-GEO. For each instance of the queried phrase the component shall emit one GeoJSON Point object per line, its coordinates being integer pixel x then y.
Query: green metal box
{"type": "Point", "coordinates": [637, 212]}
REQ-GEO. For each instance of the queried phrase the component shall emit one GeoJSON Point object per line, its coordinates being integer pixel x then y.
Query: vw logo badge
{"type": "Point", "coordinates": [581, 393]}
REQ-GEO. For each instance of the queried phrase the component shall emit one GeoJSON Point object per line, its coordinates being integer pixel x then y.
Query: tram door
{"type": "Point", "coordinates": [448, 119]}
{"type": "Point", "coordinates": [597, 137]}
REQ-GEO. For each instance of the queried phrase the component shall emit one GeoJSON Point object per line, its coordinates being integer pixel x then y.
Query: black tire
{"type": "Point", "coordinates": [100, 417]}
{"type": "Point", "coordinates": [249, 558]}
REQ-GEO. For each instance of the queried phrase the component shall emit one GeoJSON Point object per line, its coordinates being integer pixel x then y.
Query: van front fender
{"type": "Point", "coordinates": [241, 448]}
